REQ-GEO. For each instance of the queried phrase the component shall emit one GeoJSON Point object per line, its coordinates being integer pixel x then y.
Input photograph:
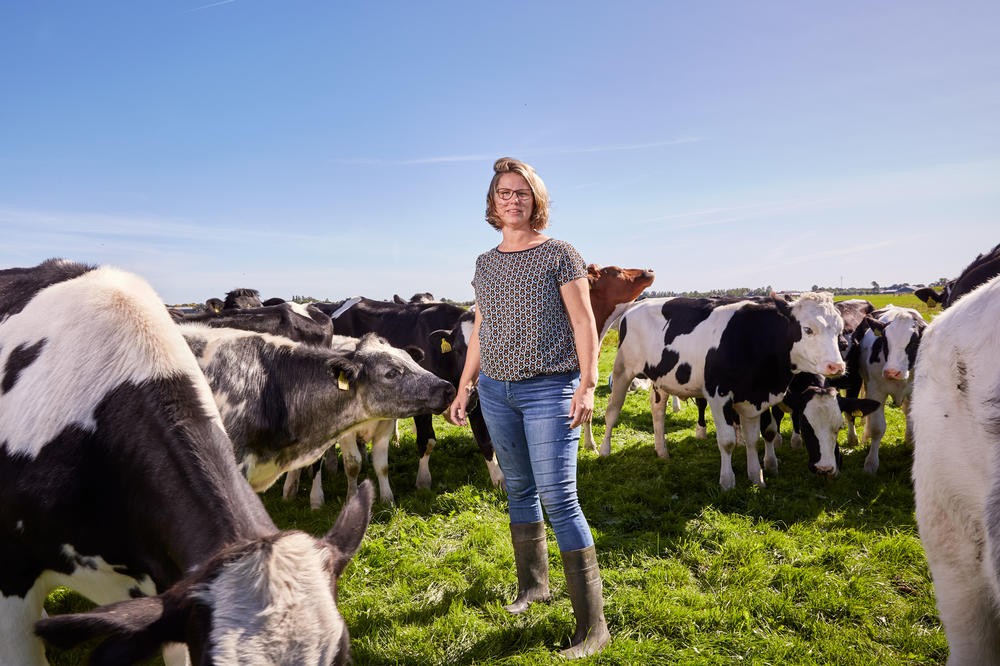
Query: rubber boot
{"type": "Point", "coordinates": [583, 582]}
{"type": "Point", "coordinates": [531, 557]}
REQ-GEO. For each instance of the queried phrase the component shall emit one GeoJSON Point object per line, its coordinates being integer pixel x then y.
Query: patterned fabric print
{"type": "Point", "coordinates": [525, 330]}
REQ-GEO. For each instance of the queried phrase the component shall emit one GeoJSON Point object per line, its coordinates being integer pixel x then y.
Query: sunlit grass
{"type": "Point", "coordinates": [804, 571]}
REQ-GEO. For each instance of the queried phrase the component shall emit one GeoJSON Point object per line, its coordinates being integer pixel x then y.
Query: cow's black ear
{"type": "Point", "coordinates": [857, 407]}
{"type": "Point", "coordinates": [136, 629]}
{"type": "Point", "coordinates": [344, 538]}
{"type": "Point", "coordinates": [442, 341]}
{"type": "Point", "coordinates": [398, 300]}
{"type": "Point", "coordinates": [416, 353]}
{"type": "Point", "coordinates": [781, 305]}
{"type": "Point", "coordinates": [877, 326]}
{"type": "Point", "coordinates": [343, 371]}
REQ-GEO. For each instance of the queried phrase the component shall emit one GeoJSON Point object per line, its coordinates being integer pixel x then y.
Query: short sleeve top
{"type": "Point", "coordinates": [525, 329]}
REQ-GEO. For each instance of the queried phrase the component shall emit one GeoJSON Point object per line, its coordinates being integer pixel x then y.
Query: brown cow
{"type": "Point", "coordinates": [611, 286]}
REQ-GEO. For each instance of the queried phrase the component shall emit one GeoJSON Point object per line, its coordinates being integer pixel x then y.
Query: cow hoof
{"type": "Point", "coordinates": [852, 440]}
{"type": "Point", "coordinates": [605, 450]}
{"type": "Point", "coordinates": [771, 464]}
{"type": "Point", "coordinates": [662, 453]}
{"type": "Point", "coordinates": [700, 432]}
{"type": "Point", "coordinates": [871, 466]}
{"type": "Point", "coordinates": [796, 441]}
{"type": "Point", "coordinates": [387, 498]}
{"type": "Point", "coordinates": [727, 482]}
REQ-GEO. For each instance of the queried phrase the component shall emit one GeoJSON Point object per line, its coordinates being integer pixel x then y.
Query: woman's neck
{"type": "Point", "coordinates": [515, 240]}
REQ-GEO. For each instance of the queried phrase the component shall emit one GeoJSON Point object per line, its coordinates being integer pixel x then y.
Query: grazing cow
{"type": "Point", "coordinates": [817, 411]}
{"type": "Point", "coordinates": [284, 403]}
{"type": "Point", "coordinates": [241, 298]}
{"type": "Point", "coordinates": [302, 323]}
{"type": "Point", "coordinates": [888, 348]}
{"type": "Point", "coordinates": [983, 268]}
{"type": "Point", "coordinates": [441, 331]}
{"type": "Point", "coordinates": [117, 480]}
{"type": "Point", "coordinates": [739, 355]}
{"type": "Point", "coordinates": [956, 475]}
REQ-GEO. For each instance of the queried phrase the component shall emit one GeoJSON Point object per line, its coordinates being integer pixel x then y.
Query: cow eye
{"type": "Point", "coordinates": [808, 330]}
{"type": "Point", "coordinates": [392, 373]}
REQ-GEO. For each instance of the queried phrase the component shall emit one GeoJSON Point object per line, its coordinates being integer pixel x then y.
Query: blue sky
{"type": "Point", "coordinates": [333, 149]}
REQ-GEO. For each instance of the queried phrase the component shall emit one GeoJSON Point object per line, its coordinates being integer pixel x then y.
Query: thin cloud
{"type": "Point", "coordinates": [210, 5]}
{"type": "Point", "coordinates": [445, 159]}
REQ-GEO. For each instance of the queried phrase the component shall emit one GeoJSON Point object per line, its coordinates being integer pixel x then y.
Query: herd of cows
{"type": "Point", "coordinates": [133, 440]}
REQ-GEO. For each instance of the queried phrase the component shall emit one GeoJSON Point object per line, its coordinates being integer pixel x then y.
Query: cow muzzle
{"type": "Point", "coordinates": [893, 373]}
{"type": "Point", "coordinates": [833, 370]}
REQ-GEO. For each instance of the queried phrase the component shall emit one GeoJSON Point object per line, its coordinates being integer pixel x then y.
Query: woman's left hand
{"type": "Point", "coordinates": [581, 407]}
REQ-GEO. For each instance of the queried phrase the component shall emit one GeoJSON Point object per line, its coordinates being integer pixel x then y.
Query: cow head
{"type": "Point", "coordinates": [611, 285]}
{"type": "Point", "coordinates": [394, 385]}
{"type": "Point", "coordinates": [273, 598]}
{"type": "Point", "coordinates": [816, 326]}
{"type": "Point", "coordinates": [897, 332]}
{"type": "Point", "coordinates": [821, 409]}
{"type": "Point", "coordinates": [241, 298]}
{"type": "Point", "coordinates": [448, 348]}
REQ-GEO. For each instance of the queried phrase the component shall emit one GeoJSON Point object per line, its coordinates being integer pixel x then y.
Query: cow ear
{"type": "Point", "coordinates": [781, 305]}
{"type": "Point", "coordinates": [344, 538]}
{"type": "Point", "coordinates": [343, 370]}
{"type": "Point", "coordinates": [136, 629]}
{"type": "Point", "coordinates": [442, 340]}
{"type": "Point", "coordinates": [397, 299]}
{"type": "Point", "coordinates": [416, 353]}
{"type": "Point", "coordinates": [857, 407]}
{"type": "Point", "coordinates": [593, 271]}
{"type": "Point", "coordinates": [877, 326]}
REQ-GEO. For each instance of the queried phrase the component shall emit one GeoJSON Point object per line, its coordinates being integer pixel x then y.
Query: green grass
{"type": "Point", "coordinates": [804, 571]}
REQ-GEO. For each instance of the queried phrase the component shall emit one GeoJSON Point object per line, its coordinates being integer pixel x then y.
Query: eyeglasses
{"type": "Point", "coordinates": [505, 194]}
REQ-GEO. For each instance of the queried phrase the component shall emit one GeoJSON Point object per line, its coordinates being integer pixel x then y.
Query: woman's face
{"type": "Point", "coordinates": [516, 210]}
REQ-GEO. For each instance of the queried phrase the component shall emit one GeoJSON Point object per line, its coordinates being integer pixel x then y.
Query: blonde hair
{"type": "Point", "coordinates": [540, 211]}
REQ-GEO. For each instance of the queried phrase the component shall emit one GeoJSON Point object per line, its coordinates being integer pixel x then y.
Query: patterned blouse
{"type": "Point", "coordinates": [525, 329]}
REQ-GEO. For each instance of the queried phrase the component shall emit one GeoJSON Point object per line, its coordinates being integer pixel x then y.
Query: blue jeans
{"type": "Point", "coordinates": [537, 450]}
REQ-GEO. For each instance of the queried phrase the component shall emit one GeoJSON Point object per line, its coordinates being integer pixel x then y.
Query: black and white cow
{"type": "Point", "coordinates": [420, 297]}
{"type": "Point", "coordinates": [889, 339]}
{"type": "Point", "coordinates": [853, 312]}
{"type": "Point", "coordinates": [739, 355]}
{"type": "Point", "coordinates": [302, 323]}
{"type": "Point", "coordinates": [983, 268]}
{"type": "Point", "coordinates": [956, 470]}
{"type": "Point", "coordinates": [117, 480]}
{"type": "Point", "coordinates": [818, 412]}
{"type": "Point", "coordinates": [284, 403]}
{"type": "Point", "coordinates": [441, 331]}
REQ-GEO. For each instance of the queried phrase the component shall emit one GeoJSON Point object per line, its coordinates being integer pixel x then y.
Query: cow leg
{"type": "Point", "coordinates": [725, 435]}
{"type": "Point", "coordinates": [796, 441]}
{"type": "Point", "coordinates": [316, 498]}
{"type": "Point", "coordinates": [658, 407]}
{"type": "Point", "coordinates": [352, 461]}
{"type": "Point", "coordinates": [380, 457]}
{"type": "Point", "coordinates": [701, 429]}
{"type": "Point", "coordinates": [619, 387]}
{"type": "Point", "coordinates": [675, 404]}
{"type": "Point", "coordinates": [875, 428]}
{"type": "Point", "coordinates": [482, 436]}
{"type": "Point", "coordinates": [330, 459]}
{"type": "Point", "coordinates": [770, 425]}
{"type": "Point", "coordinates": [291, 487]}
{"type": "Point", "coordinates": [176, 654]}
{"type": "Point", "coordinates": [750, 429]}
{"type": "Point", "coordinates": [905, 406]}
{"type": "Point", "coordinates": [425, 446]}
{"type": "Point", "coordinates": [19, 644]}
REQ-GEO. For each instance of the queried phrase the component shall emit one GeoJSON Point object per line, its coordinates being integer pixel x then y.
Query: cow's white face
{"type": "Point", "coordinates": [820, 324]}
{"type": "Point", "coordinates": [274, 605]}
{"type": "Point", "coordinates": [824, 416]}
{"type": "Point", "coordinates": [902, 335]}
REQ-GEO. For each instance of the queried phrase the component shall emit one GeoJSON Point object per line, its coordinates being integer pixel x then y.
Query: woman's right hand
{"type": "Point", "coordinates": [456, 412]}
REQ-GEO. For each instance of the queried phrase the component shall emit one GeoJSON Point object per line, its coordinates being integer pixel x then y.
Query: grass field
{"type": "Point", "coordinates": [804, 571]}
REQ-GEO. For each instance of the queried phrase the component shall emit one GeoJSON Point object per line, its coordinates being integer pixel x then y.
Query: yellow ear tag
{"type": "Point", "coordinates": [445, 346]}
{"type": "Point", "coordinates": [342, 382]}
{"type": "Point", "coordinates": [878, 333]}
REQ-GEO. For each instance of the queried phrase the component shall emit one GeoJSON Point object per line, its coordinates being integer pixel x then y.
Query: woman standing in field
{"type": "Point", "coordinates": [533, 351]}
